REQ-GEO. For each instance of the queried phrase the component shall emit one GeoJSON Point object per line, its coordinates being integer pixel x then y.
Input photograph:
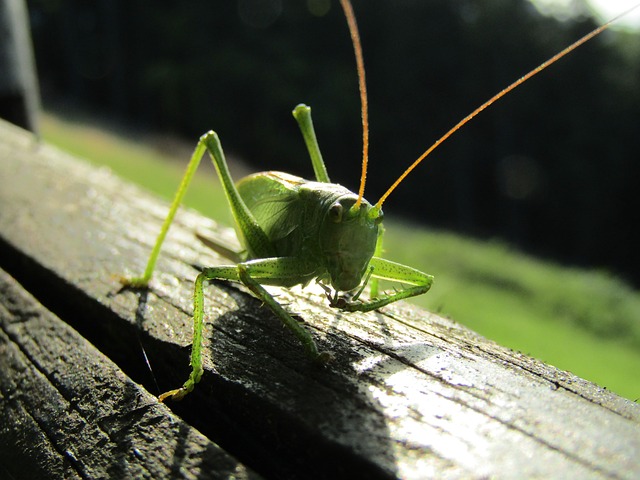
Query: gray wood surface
{"type": "Point", "coordinates": [69, 412]}
{"type": "Point", "coordinates": [409, 395]}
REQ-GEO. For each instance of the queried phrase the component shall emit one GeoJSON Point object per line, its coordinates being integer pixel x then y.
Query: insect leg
{"type": "Point", "coordinates": [281, 271]}
{"type": "Point", "coordinates": [377, 254]}
{"type": "Point", "coordinates": [254, 239]}
{"type": "Point", "coordinates": [223, 272]}
{"type": "Point", "coordinates": [252, 273]}
{"type": "Point", "coordinates": [420, 283]}
{"type": "Point", "coordinates": [287, 319]}
{"type": "Point", "coordinates": [142, 281]}
{"type": "Point", "coordinates": [302, 114]}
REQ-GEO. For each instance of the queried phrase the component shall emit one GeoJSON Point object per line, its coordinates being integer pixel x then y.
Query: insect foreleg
{"type": "Point", "coordinates": [384, 269]}
{"type": "Point", "coordinates": [377, 254]}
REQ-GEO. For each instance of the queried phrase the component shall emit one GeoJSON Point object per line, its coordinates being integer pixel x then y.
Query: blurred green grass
{"type": "Point", "coordinates": [584, 321]}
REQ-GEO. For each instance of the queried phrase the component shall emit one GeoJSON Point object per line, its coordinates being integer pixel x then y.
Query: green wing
{"type": "Point", "coordinates": [274, 200]}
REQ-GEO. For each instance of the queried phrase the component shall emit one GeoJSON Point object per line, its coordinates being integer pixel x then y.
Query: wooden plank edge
{"type": "Point", "coordinates": [69, 412]}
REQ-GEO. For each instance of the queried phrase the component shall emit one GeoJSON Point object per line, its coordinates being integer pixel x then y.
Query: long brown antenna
{"type": "Point", "coordinates": [498, 96]}
{"type": "Point", "coordinates": [357, 48]}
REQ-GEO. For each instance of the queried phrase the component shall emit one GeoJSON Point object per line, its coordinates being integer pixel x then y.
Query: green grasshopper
{"type": "Point", "coordinates": [294, 230]}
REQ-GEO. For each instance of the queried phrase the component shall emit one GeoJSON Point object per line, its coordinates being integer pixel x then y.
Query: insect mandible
{"type": "Point", "coordinates": [294, 231]}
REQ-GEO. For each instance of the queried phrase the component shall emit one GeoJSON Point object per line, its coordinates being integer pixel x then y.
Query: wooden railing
{"type": "Point", "coordinates": [409, 395]}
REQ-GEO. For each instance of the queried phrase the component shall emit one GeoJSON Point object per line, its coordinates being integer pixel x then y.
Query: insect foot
{"type": "Point", "coordinates": [339, 302]}
{"type": "Point", "coordinates": [135, 282]}
{"type": "Point", "coordinates": [176, 394]}
{"type": "Point", "coordinates": [196, 375]}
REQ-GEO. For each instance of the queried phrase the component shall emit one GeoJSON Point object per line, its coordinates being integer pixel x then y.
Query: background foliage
{"type": "Point", "coordinates": [553, 168]}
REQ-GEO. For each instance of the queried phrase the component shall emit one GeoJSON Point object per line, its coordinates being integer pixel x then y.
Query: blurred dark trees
{"type": "Point", "coordinates": [554, 167]}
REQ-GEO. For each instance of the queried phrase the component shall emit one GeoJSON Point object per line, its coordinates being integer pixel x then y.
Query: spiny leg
{"type": "Point", "coordinates": [143, 281]}
{"type": "Point", "coordinates": [377, 254]}
{"type": "Point", "coordinates": [302, 114]}
{"type": "Point", "coordinates": [249, 273]}
{"type": "Point", "coordinates": [280, 271]}
{"type": "Point", "coordinates": [288, 320]}
{"type": "Point", "coordinates": [420, 283]}
{"type": "Point", "coordinates": [254, 237]}
{"type": "Point", "coordinates": [196, 345]}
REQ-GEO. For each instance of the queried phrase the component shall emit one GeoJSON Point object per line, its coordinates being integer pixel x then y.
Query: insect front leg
{"type": "Point", "coordinates": [377, 254]}
{"type": "Point", "coordinates": [384, 269]}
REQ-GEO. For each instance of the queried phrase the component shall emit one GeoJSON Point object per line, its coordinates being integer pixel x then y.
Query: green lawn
{"type": "Point", "coordinates": [583, 321]}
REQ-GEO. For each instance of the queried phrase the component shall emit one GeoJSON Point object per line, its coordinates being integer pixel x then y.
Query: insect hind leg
{"type": "Point", "coordinates": [253, 237]}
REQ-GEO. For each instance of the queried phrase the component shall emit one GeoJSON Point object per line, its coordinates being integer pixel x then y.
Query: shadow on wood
{"type": "Point", "coordinates": [410, 394]}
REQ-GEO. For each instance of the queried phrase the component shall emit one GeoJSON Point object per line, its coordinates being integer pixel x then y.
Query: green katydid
{"type": "Point", "coordinates": [295, 231]}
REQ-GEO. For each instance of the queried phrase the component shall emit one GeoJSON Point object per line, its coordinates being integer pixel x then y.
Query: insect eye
{"type": "Point", "coordinates": [335, 212]}
{"type": "Point", "coordinates": [379, 218]}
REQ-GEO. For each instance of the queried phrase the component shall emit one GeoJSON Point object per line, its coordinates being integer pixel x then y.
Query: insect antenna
{"type": "Point", "coordinates": [362, 84]}
{"type": "Point", "coordinates": [498, 96]}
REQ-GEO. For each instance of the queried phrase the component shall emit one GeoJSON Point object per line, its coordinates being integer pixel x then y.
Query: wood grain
{"type": "Point", "coordinates": [409, 395]}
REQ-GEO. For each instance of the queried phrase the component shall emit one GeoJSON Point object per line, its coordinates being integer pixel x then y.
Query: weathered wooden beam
{"type": "Point", "coordinates": [409, 395]}
{"type": "Point", "coordinates": [69, 412]}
